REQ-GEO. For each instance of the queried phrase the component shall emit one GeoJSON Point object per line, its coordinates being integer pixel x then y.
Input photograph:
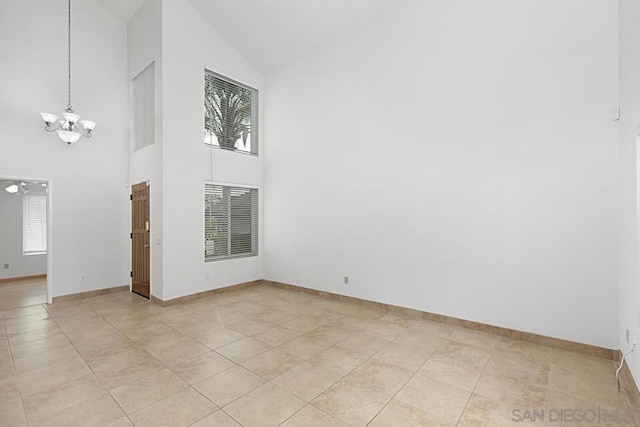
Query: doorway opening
{"type": "Point", "coordinates": [25, 261]}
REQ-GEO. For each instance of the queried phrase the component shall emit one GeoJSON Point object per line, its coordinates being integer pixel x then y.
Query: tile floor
{"type": "Point", "coordinates": [265, 356]}
{"type": "Point", "coordinates": [23, 293]}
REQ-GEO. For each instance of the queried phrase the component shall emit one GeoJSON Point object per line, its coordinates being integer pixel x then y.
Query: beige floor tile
{"type": "Point", "coordinates": [452, 371]}
{"type": "Point", "coordinates": [250, 327]}
{"type": "Point", "coordinates": [219, 338]}
{"type": "Point", "coordinates": [338, 360]}
{"type": "Point", "coordinates": [481, 411]}
{"type": "Point", "coordinates": [271, 363]}
{"type": "Point", "coordinates": [180, 319]}
{"type": "Point", "coordinates": [267, 405]}
{"type": "Point", "coordinates": [126, 370]}
{"type": "Point", "coordinates": [614, 413]}
{"type": "Point", "coordinates": [329, 334]}
{"type": "Point", "coordinates": [138, 332]}
{"type": "Point", "coordinates": [408, 357]}
{"type": "Point", "coordinates": [227, 386]}
{"type": "Point", "coordinates": [468, 354]}
{"type": "Point", "coordinates": [435, 329]}
{"type": "Point", "coordinates": [48, 378]}
{"type": "Point", "coordinates": [202, 367]}
{"type": "Point", "coordinates": [310, 416]}
{"type": "Point", "coordinates": [156, 343]}
{"type": "Point", "coordinates": [96, 347]}
{"type": "Point", "coordinates": [511, 390]}
{"type": "Point", "coordinates": [61, 386]}
{"type": "Point", "coordinates": [61, 358]}
{"type": "Point", "coordinates": [585, 383]}
{"type": "Point", "coordinates": [12, 413]}
{"type": "Point", "coordinates": [380, 376]}
{"type": "Point", "coordinates": [306, 381]}
{"type": "Point", "coordinates": [46, 402]}
{"type": "Point", "coordinates": [47, 344]}
{"type": "Point", "coordinates": [276, 335]}
{"type": "Point", "coordinates": [41, 315]}
{"type": "Point", "coordinates": [217, 419]}
{"type": "Point", "coordinates": [527, 370]}
{"type": "Point", "coordinates": [524, 350]}
{"type": "Point", "coordinates": [244, 349]}
{"type": "Point", "coordinates": [34, 335]}
{"type": "Point", "coordinates": [434, 397]}
{"type": "Point", "coordinates": [98, 411]}
{"type": "Point", "coordinates": [178, 353]}
{"type": "Point", "coordinates": [9, 387]}
{"type": "Point", "coordinates": [400, 414]}
{"type": "Point", "coordinates": [143, 392]}
{"type": "Point", "coordinates": [278, 317]}
{"type": "Point", "coordinates": [303, 324]}
{"type": "Point", "coordinates": [199, 328]}
{"type": "Point", "coordinates": [475, 338]}
{"type": "Point", "coordinates": [22, 327]}
{"type": "Point", "coordinates": [304, 347]}
{"type": "Point", "coordinates": [22, 311]}
{"type": "Point", "coordinates": [366, 343]}
{"type": "Point", "coordinates": [350, 403]}
{"type": "Point", "coordinates": [181, 409]}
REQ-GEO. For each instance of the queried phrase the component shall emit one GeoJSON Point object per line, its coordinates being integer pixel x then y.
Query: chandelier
{"type": "Point", "coordinates": [71, 128]}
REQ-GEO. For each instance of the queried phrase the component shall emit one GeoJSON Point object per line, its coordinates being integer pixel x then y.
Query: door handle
{"type": "Point", "coordinates": [147, 246]}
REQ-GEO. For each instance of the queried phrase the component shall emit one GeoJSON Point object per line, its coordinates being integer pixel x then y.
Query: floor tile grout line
{"type": "Point", "coordinates": [91, 368]}
{"type": "Point", "coordinates": [474, 387]}
{"type": "Point", "coordinates": [406, 382]}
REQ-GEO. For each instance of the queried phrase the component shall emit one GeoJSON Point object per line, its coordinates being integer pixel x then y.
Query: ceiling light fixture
{"type": "Point", "coordinates": [71, 128]}
{"type": "Point", "coordinates": [13, 189]}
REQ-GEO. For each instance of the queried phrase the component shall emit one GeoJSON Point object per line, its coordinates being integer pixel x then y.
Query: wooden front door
{"type": "Point", "coordinates": [140, 240]}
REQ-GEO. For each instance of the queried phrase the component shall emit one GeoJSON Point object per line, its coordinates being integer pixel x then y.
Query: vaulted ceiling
{"type": "Point", "coordinates": [271, 33]}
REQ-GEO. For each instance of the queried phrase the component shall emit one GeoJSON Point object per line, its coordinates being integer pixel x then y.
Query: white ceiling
{"type": "Point", "coordinates": [271, 33]}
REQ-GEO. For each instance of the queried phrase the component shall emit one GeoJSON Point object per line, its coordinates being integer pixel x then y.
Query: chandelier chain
{"type": "Point", "coordinates": [69, 54]}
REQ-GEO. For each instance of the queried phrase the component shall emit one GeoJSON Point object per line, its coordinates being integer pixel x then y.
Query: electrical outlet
{"type": "Point", "coordinates": [6, 266]}
{"type": "Point", "coordinates": [346, 280]}
{"type": "Point", "coordinates": [83, 277]}
{"type": "Point", "coordinates": [627, 335]}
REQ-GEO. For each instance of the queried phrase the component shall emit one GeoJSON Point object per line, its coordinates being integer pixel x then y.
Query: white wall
{"type": "Point", "coordinates": [11, 252]}
{"type": "Point", "coordinates": [89, 197]}
{"type": "Point", "coordinates": [144, 46]}
{"type": "Point", "coordinates": [189, 45]}
{"type": "Point", "coordinates": [456, 157]}
{"type": "Point", "coordinates": [629, 15]}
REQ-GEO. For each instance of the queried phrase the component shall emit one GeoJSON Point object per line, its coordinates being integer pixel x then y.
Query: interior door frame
{"type": "Point", "coordinates": [49, 193]}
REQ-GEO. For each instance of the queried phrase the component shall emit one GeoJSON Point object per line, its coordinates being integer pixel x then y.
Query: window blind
{"type": "Point", "coordinates": [143, 101]}
{"type": "Point", "coordinates": [230, 114]}
{"type": "Point", "coordinates": [34, 224]}
{"type": "Point", "coordinates": [231, 222]}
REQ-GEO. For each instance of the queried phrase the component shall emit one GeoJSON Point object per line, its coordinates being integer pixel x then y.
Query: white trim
{"type": "Point", "coordinates": [49, 228]}
{"type": "Point", "coordinates": [232, 184]}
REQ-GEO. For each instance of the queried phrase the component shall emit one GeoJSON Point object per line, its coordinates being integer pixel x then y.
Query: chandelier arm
{"type": "Point", "coordinates": [87, 134]}
{"type": "Point", "coordinates": [50, 128]}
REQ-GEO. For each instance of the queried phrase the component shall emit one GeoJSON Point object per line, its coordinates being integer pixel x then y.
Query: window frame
{"type": "Point", "coordinates": [255, 121]}
{"type": "Point", "coordinates": [26, 221]}
{"type": "Point", "coordinates": [254, 221]}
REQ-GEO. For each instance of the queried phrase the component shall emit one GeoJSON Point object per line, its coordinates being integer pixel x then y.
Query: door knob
{"type": "Point", "coordinates": [147, 246]}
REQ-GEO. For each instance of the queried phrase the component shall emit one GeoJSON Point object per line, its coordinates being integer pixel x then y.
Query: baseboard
{"type": "Point", "coordinates": [590, 350]}
{"type": "Point", "coordinates": [89, 294]}
{"type": "Point", "coordinates": [630, 389]}
{"type": "Point", "coordinates": [14, 279]}
{"type": "Point", "coordinates": [173, 301]}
